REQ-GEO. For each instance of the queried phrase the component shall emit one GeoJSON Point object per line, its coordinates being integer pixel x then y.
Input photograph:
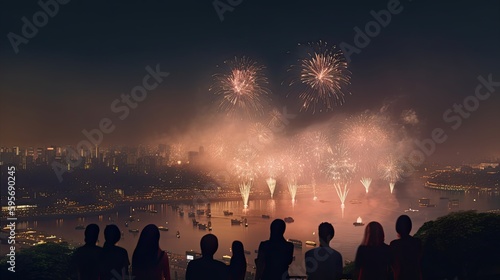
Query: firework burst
{"type": "Point", "coordinates": [340, 168]}
{"type": "Point", "coordinates": [316, 146]}
{"type": "Point", "coordinates": [242, 88]}
{"type": "Point", "coordinates": [323, 74]}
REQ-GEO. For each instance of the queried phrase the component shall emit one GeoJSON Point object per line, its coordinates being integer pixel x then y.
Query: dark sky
{"type": "Point", "coordinates": [65, 78]}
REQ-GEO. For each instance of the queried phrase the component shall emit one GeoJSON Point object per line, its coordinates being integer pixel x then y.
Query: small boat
{"type": "Point", "coordinates": [246, 222]}
{"type": "Point", "coordinates": [133, 230]}
{"type": "Point", "coordinates": [202, 226]}
{"type": "Point", "coordinates": [411, 210]}
{"type": "Point", "coordinates": [235, 222]}
{"type": "Point", "coordinates": [296, 243]}
{"type": "Point", "coordinates": [181, 213]}
{"type": "Point", "coordinates": [358, 222]}
{"type": "Point", "coordinates": [80, 227]}
{"type": "Point", "coordinates": [310, 243]}
{"type": "Point", "coordinates": [355, 201]}
{"type": "Point", "coordinates": [227, 213]}
{"type": "Point", "coordinates": [266, 217]}
{"type": "Point", "coordinates": [200, 212]}
{"type": "Point", "coordinates": [191, 214]}
{"type": "Point", "coordinates": [209, 215]}
{"type": "Point", "coordinates": [209, 225]}
{"type": "Point", "coordinates": [178, 234]}
{"type": "Point", "coordinates": [162, 228]}
{"type": "Point", "coordinates": [153, 211]}
{"type": "Point", "coordinates": [126, 224]}
{"type": "Point", "coordinates": [195, 222]}
{"type": "Point", "coordinates": [289, 220]}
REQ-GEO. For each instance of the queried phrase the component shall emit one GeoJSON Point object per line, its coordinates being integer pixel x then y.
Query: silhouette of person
{"type": "Point", "coordinates": [275, 254]}
{"type": "Point", "coordinates": [238, 265]}
{"type": "Point", "coordinates": [373, 258]}
{"type": "Point", "coordinates": [324, 262]}
{"type": "Point", "coordinates": [406, 252]}
{"type": "Point", "coordinates": [86, 258]}
{"type": "Point", "coordinates": [114, 259]}
{"type": "Point", "coordinates": [206, 267]}
{"type": "Point", "coordinates": [149, 262]}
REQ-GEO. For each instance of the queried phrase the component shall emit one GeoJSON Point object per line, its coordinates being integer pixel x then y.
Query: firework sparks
{"type": "Point", "coordinates": [391, 172]}
{"type": "Point", "coordinates": [271, 168]}
{"type": "Point", "coordinates": [242, 88]}
{"type": "Point", "coordinates": [323, 74]}
{"type": "Point", "coordinates": [366, 183]}
{"type": "Point", "coordinates": [292, 188]}
{"type": "Point", "coordinates": [245, 192]}
{"type": "Point", "coordinates": [340, 168]}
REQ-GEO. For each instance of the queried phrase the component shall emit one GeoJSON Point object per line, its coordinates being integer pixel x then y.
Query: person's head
{"type": "Point", "coordinates": [403, 225]}
{"type": "Point", "coordinates": [146, 251]}
{"type": "Point", "coordinates": [374, 234]}
{"type": "Point", "coordinates": [326, 232]}
{"type": "Point", "coordinates": [278, 227]}
{"type": "Point", "coordinates": [237, 248]}
{"type": "Point", "coordinates": [112, 234]}
{"type": "Point", "coordinates": [209, 245]}
{"type": "Point", "coordinates": [91, 234]}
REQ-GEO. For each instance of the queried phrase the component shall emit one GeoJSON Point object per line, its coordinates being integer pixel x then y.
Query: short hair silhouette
{"type": "Point", "coordinates": [278, 228]}
{"type": "Point", "coordinates": [374, 234]}
{"type": "Point", "coordinates": [112, 234]}
{"type": "Point", "coordinates": [324, 230]}
{"type": "Point", "coordinates": [403, 225]}
{"type": "Point", "coordinates": [209, 245]}
{"type": "Point", "coordinates": [91, 233]}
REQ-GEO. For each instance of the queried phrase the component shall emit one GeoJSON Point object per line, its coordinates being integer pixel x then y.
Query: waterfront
{"type": "Point", "coordinates": [377, 205]}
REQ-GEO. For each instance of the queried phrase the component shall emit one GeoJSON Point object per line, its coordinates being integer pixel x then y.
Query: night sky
{"type": "Point", "coordinates": [64, 79]}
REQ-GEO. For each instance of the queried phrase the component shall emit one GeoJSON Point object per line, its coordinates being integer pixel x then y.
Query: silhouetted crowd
{"type": "Point", "coordinates": [374, 258]}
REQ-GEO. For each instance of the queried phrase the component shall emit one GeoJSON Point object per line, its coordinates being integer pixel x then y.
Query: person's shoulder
{"type": "Point", "coordinates": [311, 252]}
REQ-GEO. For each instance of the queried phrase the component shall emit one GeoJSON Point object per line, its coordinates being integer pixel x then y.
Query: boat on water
{"type": "Point", "coordinates": [425, 202]}
{"type": "Point", "coordinates": [266, 217]}
{"type": "Point", "coordinates": [411, 210]}
{"type": "Point", "coordinates": [153, 211]}
{"type": "Point", "coordinates": [191, 214]}
{"type": "Point", "coordinates": [162, 228]}
{"type": "Point", "coordinates": [80, 227]}
{"type": "Point", "coordinates": [209, 225]}
{"type": "Point", "coordinates": [178, 234]}
{"type": "Point", "coordinates": [289, 220]}
{"type": "Point", "coordinates": [195, 222]}
{"type": "Point", "coordinates": [227, 213]}
{"type": "Point", "coordinates": [355, 201]}
{"type": "Point", "coordinates": [200, 212]}
{"type": "Point", "coordinates": [246, 222]}
{"type": "Point", "coordinates": [202, 226]}
{"type": "Point", "coordinates": [311, 243]}
{"type": "Point", "coordinates": [181, 213]}
{"type": "Point", "coordinates": [126, 224]}
{"type": "Point", "coordinates": [236, 222]}
{"type": "Point", "coordinates": [358, 222]}
{"type": "Point", "coordinates": [296, 243]}
{"type": "Point", "coordinates": [134, 230]}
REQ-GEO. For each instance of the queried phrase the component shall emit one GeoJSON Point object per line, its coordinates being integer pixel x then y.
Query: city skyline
{"type": "Point", "coordinates": [70, 82]}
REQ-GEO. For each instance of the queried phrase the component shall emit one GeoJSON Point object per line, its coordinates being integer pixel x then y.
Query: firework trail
{"type": "Point", "coordinates": [323, 74]}
{"type": "Point", "coordinates": [342, 193]}
{"type": "Point", "coordinates": [242, 88]}
{"type": "Point", "coordinates": [244, 167]}
{"type": "Point", "coordinates": [316, 146]}
{"type": "Point", "coordinates": [366, 183]}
